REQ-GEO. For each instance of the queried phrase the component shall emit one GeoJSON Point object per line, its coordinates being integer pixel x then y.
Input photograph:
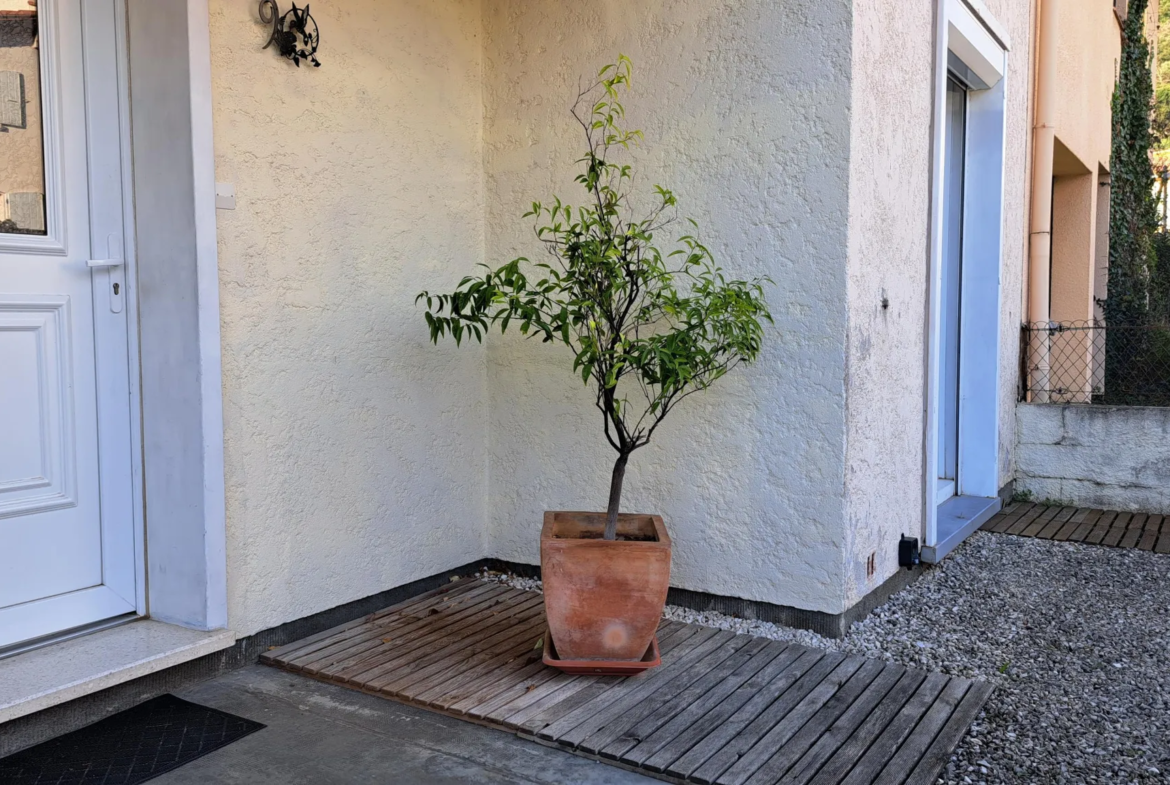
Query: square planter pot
{"type": "Point", "coordinates": [603, 598]}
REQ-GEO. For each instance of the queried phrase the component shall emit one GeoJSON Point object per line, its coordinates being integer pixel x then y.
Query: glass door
{"type": "Point", "coordinates": [954, 161]}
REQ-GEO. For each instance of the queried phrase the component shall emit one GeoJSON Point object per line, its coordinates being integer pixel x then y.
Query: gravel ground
{"type": "Point", "coordinates": [1075, 637]}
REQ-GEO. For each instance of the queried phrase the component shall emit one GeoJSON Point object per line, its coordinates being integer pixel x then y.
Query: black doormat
{"type": "Point", "coordinates": [132, 746]}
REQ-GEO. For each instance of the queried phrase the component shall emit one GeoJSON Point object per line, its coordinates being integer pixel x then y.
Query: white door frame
{"type": "Point", "coordinates": [178, 312]}
{"type": "Point", "coordinates": [965, 30]}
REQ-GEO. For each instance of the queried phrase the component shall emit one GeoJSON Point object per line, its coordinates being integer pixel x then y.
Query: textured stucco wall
{"type": "Point", "coordinates": [889, 232]}
{"type": "Point", "coordinates": [745, 107]}
{"type": "Point", "coordinates": [355, 452]}
{"type": "Point", "coordinates": [1110, 457]}
{"type": "Point", "coordinates": [1086, 64]}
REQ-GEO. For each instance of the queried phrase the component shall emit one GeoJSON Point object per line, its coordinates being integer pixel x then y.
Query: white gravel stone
{"type": "Point", "coordinates": [1075, 637]}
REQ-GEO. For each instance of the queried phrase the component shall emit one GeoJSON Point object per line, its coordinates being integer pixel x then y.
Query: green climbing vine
{"type": "Point", "coordinates": [1133, 215]}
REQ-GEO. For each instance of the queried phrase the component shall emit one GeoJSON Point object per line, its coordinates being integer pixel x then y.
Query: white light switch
{"type": "Point", "coordinates": [225, 196]}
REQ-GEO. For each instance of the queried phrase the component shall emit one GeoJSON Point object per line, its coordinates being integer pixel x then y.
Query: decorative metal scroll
{"type": "Point", "coordinates": [295, 32]}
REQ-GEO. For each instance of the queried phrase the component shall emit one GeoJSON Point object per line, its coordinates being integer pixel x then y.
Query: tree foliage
{"type": "Point", "coordinates": [648, 326]}
{"type": "Point", "coordinates": [1133, 215]}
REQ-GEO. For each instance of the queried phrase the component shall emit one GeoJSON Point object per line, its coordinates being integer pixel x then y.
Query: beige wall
{"type": "Point", "coordinates": [1089, 38]}
{"type": "Point", "coordinates": [359, 457]}
{"type": "Point", "coordinates": [745, 107]}
{"type": "Point", "coordinates": [889, 230]}
{"type": "Point", "coordinates": [355, 451]}
{"type": "Point", "coordinates": [1090, 44]}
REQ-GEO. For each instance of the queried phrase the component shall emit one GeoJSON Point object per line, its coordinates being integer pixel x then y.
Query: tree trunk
{"type": "Point", "coordinates": [615, 496]}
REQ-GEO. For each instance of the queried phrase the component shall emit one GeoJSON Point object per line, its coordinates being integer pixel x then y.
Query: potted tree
{"type": "Point", "coordinates": [647, 327]}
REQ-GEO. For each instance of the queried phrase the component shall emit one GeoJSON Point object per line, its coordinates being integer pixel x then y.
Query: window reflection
{"type": "Point", "coordinates": [22, 160]}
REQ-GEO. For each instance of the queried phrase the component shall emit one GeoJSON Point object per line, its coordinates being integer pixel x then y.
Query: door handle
{"type": "Point", "coordinates": [112, 266]}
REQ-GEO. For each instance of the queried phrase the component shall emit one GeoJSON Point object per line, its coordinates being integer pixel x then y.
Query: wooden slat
{"type": "Point", "coordinates": [771, 679]}
{"type": "Point", "coordinates": [1040, 521]}
{"type": "Point", "coordinates": [1063, 516]}
{"type": "Point", "coordinates": [444, 686]}
{"type": "Point", "coordinates": [366, 641]}
{"type": "Point", "coordinates": [795, 746]}
{"type": "Point", "coordinates": [298, 647]}
{"type": "Point", "coordinates": [1117, 529]}
{"type": "Point", "coordinates": [1084, 527]}
{"type": "Point", "coordinates": [1163, 545]}
{"type": "Point", "coordinates": [1025, 509]}
{"type": "Point", "coordinates": [1066, 531]}
{"type": "Point", "coordinates": [722, 708]}
{"type": "Point", "coordinates": [928, 728]}
{"type": "Point", "coordinates": [572, 728]}
{"type": "Point", "coordinates": [1021, 523]}
{"type": "Point", "coordinates": [1133, 532]}
{"type": "Point", "coordinates": [782, 733]}
{"type": "Point", "coordinates": [746, 738]}
{"type": "Point", "coordinates": [676, 693]}
{"type": "Point", "coordinates": [723, 733]}
{"type": "Point", "coordinates": [431, 642]}
{"type": "Point", "coordinates": [465, 649]}
{"type": "Point", "coordinates": [1101, 527]}
{"type": "Point", "coordinates": [851, 722]}
{"type": "Point", "coordinates": [546, 710]}
{"type": "Point", "coordinates": [1006, 517]}
{"type": "Point", "coordinates": [842, 761]}
{"type": "Point", "coordinates": [641, 742]}
{"type": "Point", "coordinates": [936, 756]}
{"type": "Point", "coordinates": [546, 680]}
{"type": "Point", "coordinates": [886, 745]}
{"type": "Point", "coordinates": [1150, 533]}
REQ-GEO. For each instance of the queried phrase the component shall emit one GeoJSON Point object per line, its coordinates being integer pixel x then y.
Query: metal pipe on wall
{"type": "Point", "coordinates": [1040, 233]}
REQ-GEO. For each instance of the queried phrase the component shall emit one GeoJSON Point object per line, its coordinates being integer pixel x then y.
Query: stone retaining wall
{"type": "Point", "coordinates": [1111, 457]}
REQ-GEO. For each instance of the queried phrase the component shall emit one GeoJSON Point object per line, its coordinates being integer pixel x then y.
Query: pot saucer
{"type": "Point", "coordinates": [651, 659]}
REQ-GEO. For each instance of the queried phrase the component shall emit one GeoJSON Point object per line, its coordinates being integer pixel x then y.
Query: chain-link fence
{"type": "Point", "coordinates": [1087, 362]}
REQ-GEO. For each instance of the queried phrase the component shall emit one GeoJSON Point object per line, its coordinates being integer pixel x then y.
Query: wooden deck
{"type": "Point", "coordinates": [1076, 524]}
{"type": "Point", "coordinates": [723, 708]}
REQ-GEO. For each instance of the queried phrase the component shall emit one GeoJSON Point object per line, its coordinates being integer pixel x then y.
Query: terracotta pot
{"type": "Point", "coordinates": [604, 598]}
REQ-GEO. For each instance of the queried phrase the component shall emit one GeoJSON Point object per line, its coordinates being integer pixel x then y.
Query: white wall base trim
{"type": "Point", "coordinates": [52, 675]}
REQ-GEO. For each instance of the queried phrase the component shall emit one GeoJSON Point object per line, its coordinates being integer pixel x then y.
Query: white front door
{"type": "Point", "coordinates": [67, 532]}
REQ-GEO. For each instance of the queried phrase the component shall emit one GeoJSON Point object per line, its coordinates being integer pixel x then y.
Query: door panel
{"type": "Point", "coordinates": [67, 552]}
{"type": "Point", "coordinates": [954, 162]}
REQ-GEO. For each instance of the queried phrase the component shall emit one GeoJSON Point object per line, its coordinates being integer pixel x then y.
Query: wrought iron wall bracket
{"type": "Point", "coordinates": [294, 32]}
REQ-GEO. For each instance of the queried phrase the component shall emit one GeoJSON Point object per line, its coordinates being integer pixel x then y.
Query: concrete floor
{"type": "Point", "coordinates": [327, 735]}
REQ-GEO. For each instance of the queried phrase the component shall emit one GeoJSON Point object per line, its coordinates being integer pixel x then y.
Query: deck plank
{"type": "Point", "coordinates": [311, 643]}
{"type": "Point", "coordinates": [936, 756]}
{"type": "Point", "coordinates": [723, 707]}
{"type": "Point", "coordinates": [746, 738]}
{"type": "Point", "coordinates": [1150, 533]}
{"type": "Point", "coordinates": [1101, 527]}
{"type": "Point", "coordinates": [691, 748]}
{"type": "Point", "coordinates": [885, 746]}
{"type": "Point", "coordinates": [395, 660]}
{"type": "Point", "coordinates": [1056, 523]}
{"type": "Point", "coordinates": [1111, 528]}
{"type": "Point", "coordinates": [1021, 523]}
{"type": "Point", "coordinates": [851, 722]}
{"type": "Point", "coordinates": [679, 693]}
{"type": "Point", "coordinates": [641, 742]}
{"type": "Point", "coordinates": [1074, 522]}
{"type": "Point", "coordinates": [796, 745]}
{"type": "Point", "coordinates": [1085, 526]}
{"type": "Point", "coordinates": [1117, 529]}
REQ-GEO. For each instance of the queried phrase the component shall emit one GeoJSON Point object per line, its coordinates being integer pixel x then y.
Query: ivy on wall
{"type": "Point", "coordinates": [1133, 215]}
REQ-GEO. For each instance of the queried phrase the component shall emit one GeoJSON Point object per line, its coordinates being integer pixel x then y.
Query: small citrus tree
{"type": "Point", "coordinates": [647, 327]}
